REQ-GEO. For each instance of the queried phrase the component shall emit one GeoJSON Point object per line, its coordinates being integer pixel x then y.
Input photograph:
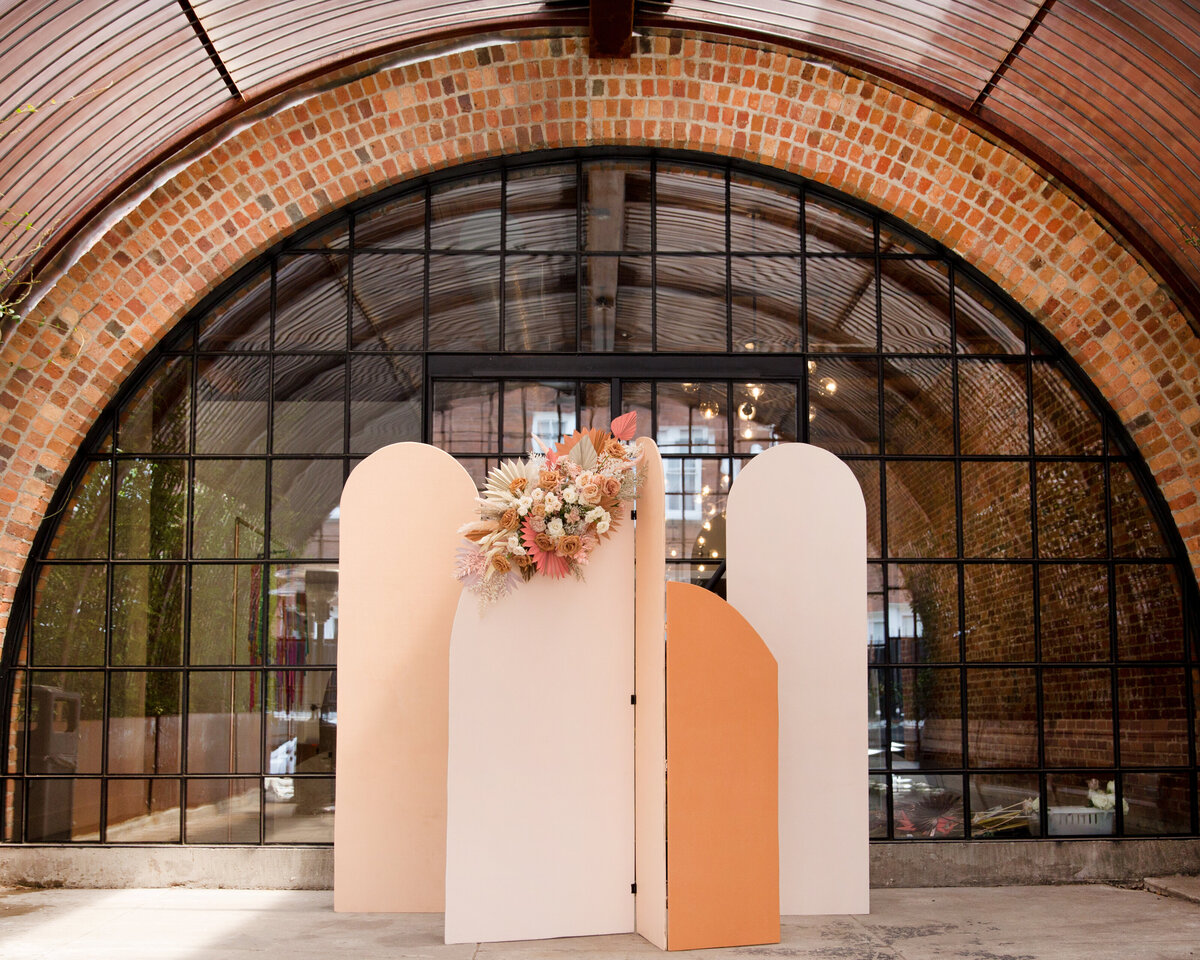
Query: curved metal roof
{"type": "Point", "coordinates": [1103, 93]}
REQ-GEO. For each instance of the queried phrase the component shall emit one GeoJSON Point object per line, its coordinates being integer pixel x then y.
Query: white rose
{"type": "Point", "coordinates": [595, 515]}
{"type": "Point", "coordinates": [603, 525]}
{"type": "Point", "coordinates": [552, 503]}
{"type": "Point", "coordinates": [514, 546]}
{"type": "Point", "coordinates": [555, 527]}
{"type": "Point", "coordinates": [538, 494]}
{"type": "Point", "coordinates": [571, 495]}
{"type": "Point", "coordinates": [524, 505]}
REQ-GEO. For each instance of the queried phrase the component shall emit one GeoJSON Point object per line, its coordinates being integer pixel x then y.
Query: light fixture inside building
{"type": "Point", "coordinates": [709, 409]}
{"type": "Point", "coordinates": [751, 345]}
{"type": "Point", "coordinates": [689, 387]}
{"type": "Point", "coordinates": [747, 434]}
{"type": "Point", "coordinates": [828, 384]}
{"type": "Point", "coordinates": [706, 490]}
{"type": "Point", "coordinates": [700, 540]}
{"type": "Point", "coordinates": [713, 553]}
{"type": "Point", "coordinates": [746, 411]}
{"type": "Point", "coordinates": [755, 390]}
{"type": "Point", "coordinates": [812, 366]}
{"type": "Point", "coordinates": [707, 524]}
{"type": "Point", "coordinates": [812, 413]}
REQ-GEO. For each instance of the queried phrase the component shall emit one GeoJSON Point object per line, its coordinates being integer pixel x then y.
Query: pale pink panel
{"type": "Point", "coordinates": [397, 597]}
{"type": "Point", "coordinates": [797, 571]}
{"type": "Point", "coordinates": [540, 829]}
{"type": "Point", "coordinates": [650, 737]}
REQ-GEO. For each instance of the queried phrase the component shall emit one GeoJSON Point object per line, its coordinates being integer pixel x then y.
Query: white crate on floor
{"type": "Point", "coordinates": [1076, 821]}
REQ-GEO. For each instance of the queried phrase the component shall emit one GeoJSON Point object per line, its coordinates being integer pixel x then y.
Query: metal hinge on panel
{"type": "Point", "coordinates": [633, 888]}
{"type": "Point", "coordinates": [633, 699]}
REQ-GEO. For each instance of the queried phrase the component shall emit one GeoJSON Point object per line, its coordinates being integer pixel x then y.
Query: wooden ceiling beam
{"type": "Point", "coordinates": [610, 28]}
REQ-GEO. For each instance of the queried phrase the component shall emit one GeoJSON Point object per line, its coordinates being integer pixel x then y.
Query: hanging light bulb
{"type": "Point", "coordinates": [812, 366]}
{"type": "Point", "coordinates": [712, 510]}
{"type": "Point", "coordinates": [689, 387]}
{"type": "Point", "coordinates": [828, 384]}
{"type": "Point", "coordinates": [751, 345]}
{"type": "Point", "coordinates": [674, 552]}
{"type": "Point", "coordinates": [701, 568]}
{"type": "Point", "coordinates": [724, 479]}
{"type": "Point", "coordinates": [700, 540]}
{"type": "Point", "coordinates": [812, 413]}
{"type": "Point", "coordinates": [706, 490]}
{"type": "Point", "coordinates": [747, 434]}
{"type": "Point", "coordinates": [713, 554]}
{"type": "Point", "coordinates": [746, 411]}
{"type": "Point", "coordinates": [709, 409]}
{"type": "Point", "coordinates": [755, 390]}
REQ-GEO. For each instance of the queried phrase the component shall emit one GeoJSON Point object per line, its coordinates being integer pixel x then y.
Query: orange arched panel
{"type": "Point", "coordinates": [722, 776]}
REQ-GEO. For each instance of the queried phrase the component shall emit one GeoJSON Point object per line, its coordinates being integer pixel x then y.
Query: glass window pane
{"type": "Point", "coordinates": [1152, 704]}
{"type": "Point", "coordinates": [1070, 511]}
{"type": "Point", "coordinates": [142, 811]}
{"type": "Point", "coordinates": [690, 304]}
{"type": "Point", "coordinates": [915, 303]}
{"type": "Point", "coordinates": [230, 514]}
{"type": "Point", "coordinates": [765, 415]}
{"type": "Point", "coordinates": [399, 223]}
{"type": "Point", "coordinates": [147, 614]}
{"type": "Point", "coordinates": [305, 816]}
{"type": "Point", "coordinates": [62, 810]}
{"type": "Point", "coordinates": [926, 717]}
{"type": "Point", "coordinates": [12, 757]}
{"type": "Point", "coordinates": [617, 304]}
{"type": "Point", "coordinates": [151, 506]}
{"type": "Point", "coordinates": [830, 227]}
{"type": "Point", "coordinates": [231, 405]}
{"type": "Point", "coordinates": [311, 300]}
{"type": "Point", "coordinates": [766, 304]}
{"type": "Point", "coordinates": [82, 531]}
{"type": "Point", "coordinates": [539, 304]}
{"type": "Point", "coordinates": [465, 214]}
{"type": "Point", "coordinates": [996, 509]}
{"type": "Point", "coordinates": [983, 325]}
{"type": "Point", "coordinates": [12, 810]}
{"type": "Point", "coordinates": [464, 303]}
{"type": "Point", "coordinates": [301, 722]}
{"type": "Point", "coordinates": [918, 405]}
{"type": "Point", "coordinates": [877, 806]}
{"type": "Point", "coordinates": [541, 209]}
{"type": "Point", "coordinates": [695, 509]}
{"type": "Point", "coordinates": [843, 405]}
{"type": "Point", "coordinates": [992, 412]}
{"type": "Point", "coordinates": [223, 811]}
{"type": "Point", "coordinates": [385, 401]}
{"type": "Point", "coordinates": [65, 728]}
{"type": "Point", "coordinates": [305, 496]}
{"type": "Point", "coordinates": [1157, 804]}
{"type": "Point", "coordinates": [595, 411]}
{"type": "Point", "coordinates": [1135, 532]}
{"type": "Point", "coordinates": [923, 612]}
{"type": "Point", "coordinates": [545, 410]}
{"type": "Point", "coordinates": [1149, 612]}
{"type": "Point", "coordinates": [1002, 717]}
{"type": "Point", "coordinates": [68, 616]}
{"type": "Point", "coordinates": [1072, 810]}
{"type": "Point", "coordinates": [840, 305]}
{"type": "Point", "coordinates": [155, 419]}
{"type": "Point", "coordinates": [303, 615]}
{"type": "Point", "coordinates": [764, 217]}
{"type": "Point", "coordinates": [877, 737]}
{"type": "Point", "coordinates": [1003, 805]}
{"type": "Point", "coordinates": [927, 806]}
{"type": "Point", "coordinates": [1074, 611]}
{"type": "Point", "coordinates": [999, 611]}
{"type": "Point", "coordinates": [690, 209]}
{"type": "Point", "coordinates": [920, 509]}
{"type": "Point", "coordinates": [144, 721]}
{"type": "Point", "coordinates": [310, 404]}
{"type": "Point", "coordinates": [465, 415]}
{"type": "Point", "coordinates": [224, 722]}
{"type": "Point", "coordinates": [616, 205]}
{"type": "Point", "coordinates": [1063, 422]}
{"type": "Point", "coordinates": [389, 291]}
{"type": "Point", "coordinates": [693, 418]}
{"type": "Point", "coordinates": [867, 474]}
{"type": "Point", "coordinates": [227, 614]}
{"type": "Point", "coordinates": [243, 320]}
{"type": "Point", "coordinates": [1077, 712]}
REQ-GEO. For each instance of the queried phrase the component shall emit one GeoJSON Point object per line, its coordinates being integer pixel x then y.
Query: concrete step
{"type": "Point", "coordinates": [1184, 888]}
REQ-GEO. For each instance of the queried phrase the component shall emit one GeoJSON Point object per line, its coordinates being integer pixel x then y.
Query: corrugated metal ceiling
{"type": "Point", "coordinates": [1105, 93]}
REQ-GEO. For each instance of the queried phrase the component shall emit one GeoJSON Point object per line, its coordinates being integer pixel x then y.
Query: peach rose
{"type": "Point", "coordinates": [500, 564]}
{"type": "Point", "coordinates": [544, 542]}
{"type": "Point", "coordinates": [569, 545]}
{"type": "Point", "coordinates": [610, 486]}
{"type": "Point", "coordinates": [615, 448]}
{"type": "Point", "coordinates": [517, 487]}
{"type": "Point", "coordinates": [548, 479]}
{"type": "Point", "coordinates": [511, 519]}
{"type": "Point", "coordinates": [590, 493]}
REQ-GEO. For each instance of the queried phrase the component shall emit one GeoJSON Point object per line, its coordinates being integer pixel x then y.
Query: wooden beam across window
{"type": "Point", "coordinates": [611, 28]}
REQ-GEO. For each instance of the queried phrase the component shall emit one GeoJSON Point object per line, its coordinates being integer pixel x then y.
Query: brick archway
{"type": "Point", "coordinates": [355, 135]}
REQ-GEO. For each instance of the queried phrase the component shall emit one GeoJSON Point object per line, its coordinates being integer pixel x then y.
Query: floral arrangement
{"type": "Point", "coordinates": [546, 514]}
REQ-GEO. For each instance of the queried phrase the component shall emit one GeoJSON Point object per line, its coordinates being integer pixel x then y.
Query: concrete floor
{"type": "Point", "coordinates": [1092, 922]}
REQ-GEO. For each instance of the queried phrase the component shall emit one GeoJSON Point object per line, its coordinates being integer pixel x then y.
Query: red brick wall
{"type": "Point", "coordinates": [247, 186]}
